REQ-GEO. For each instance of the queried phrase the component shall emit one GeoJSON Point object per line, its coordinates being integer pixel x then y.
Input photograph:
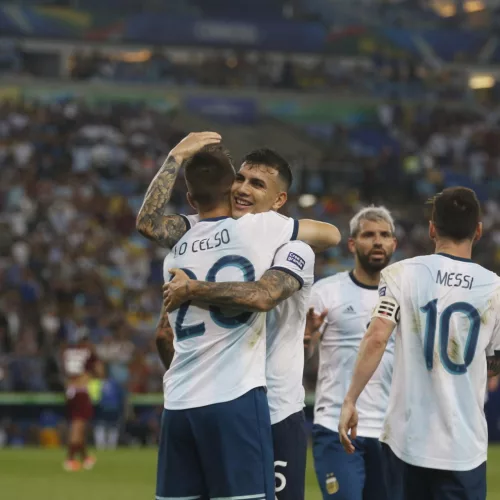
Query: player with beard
{"type": "Point", "coordinates": [345, 302]}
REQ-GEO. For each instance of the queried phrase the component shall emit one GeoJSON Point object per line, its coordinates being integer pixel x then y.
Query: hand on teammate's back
{"type": "Point", "coordinates": [348, 422]}
{"type": "Point", "coordinates": [176, 291]}
{"type": "Point", "coordinates": [192, 143]}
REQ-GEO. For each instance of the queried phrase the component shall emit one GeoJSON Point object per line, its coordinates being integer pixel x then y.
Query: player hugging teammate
{"type": "Point", "coordinates": [222, 432]}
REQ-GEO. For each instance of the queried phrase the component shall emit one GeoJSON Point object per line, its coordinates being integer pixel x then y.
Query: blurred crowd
{"type": "Point", "coordinates": [383, 72]}
{"type": "Point", "coordinates": [72, 180]}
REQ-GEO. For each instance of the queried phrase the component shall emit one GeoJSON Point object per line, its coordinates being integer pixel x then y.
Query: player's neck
{"type": "Point", "coordinates": [365, 278]}
{"type": "Point", "coordinates": [462, 250]}
{"type": "Point", "coordinates": [214, 213]}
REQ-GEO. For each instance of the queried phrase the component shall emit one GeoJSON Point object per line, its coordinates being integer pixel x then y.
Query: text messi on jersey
{"type": "Point", "coordinates": [455, 279]}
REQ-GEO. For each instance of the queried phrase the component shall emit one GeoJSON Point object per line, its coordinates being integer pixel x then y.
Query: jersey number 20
{"type": "Point", "coordinates": [444, 335]}
{"type": "Point", "coordinates": [184, 332]}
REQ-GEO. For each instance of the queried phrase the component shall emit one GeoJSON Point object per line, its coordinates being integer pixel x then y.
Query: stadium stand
{"type": "Point", "coordinates": [73, 174]}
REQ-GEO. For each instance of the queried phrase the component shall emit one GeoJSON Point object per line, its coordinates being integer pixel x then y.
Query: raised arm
{"type": "Point", "coordinates": [151, 222]}
{"type": "Point", "coordinates": [319, 235]}
{"type": "Point", "coordinates": [165, 339]}
{"type": "Point", "coordinates": [257, 296]}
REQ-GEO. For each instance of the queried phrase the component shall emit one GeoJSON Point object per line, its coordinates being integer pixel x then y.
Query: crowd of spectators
{"type": "Point", "coordinates": [72, 180]}
{"type": "Point", "coordinates": [382, 72]}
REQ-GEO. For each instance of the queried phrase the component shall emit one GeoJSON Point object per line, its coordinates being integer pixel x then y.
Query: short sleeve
{"type": "Point", "coordinates": [388, 305]}
{"type": "Point", "coordinates": [388, 286]}
{"type": "Point", "coordinates": [190, 220]}
{"type": "Point", "coordinates": [273, 229]}
{"type": "Point", "coordinates": [493, 348]}
{"type": "Point", "coordinates": [297, 259]}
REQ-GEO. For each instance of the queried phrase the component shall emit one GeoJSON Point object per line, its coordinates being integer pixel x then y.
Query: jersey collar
{"type": "Point", "coordinates": [214, 219]}
{"type": "Point", "coordinates": [453, 257]}
{"type": "Point", "coordinates": [361, 285]}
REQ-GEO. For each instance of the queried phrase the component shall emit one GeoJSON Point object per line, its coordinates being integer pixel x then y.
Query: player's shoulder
{"type": "Point", "coordinates": [296, 246]}
{"type": "Point", "coordinates": [190, 220]}
{"type": "Point", "coordinates": [398, 268]}
{"type": "Point", "coordinates": [332, 282]}
{"type": "Point", "coordinates": [263, 217]}
{"type": "Point", "coordinates": [437, 260]}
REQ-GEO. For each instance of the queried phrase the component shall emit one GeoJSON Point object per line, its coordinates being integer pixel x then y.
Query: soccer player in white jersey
{"type": "Point", "coordinates": [262, 182]}
{"type": "Point", "coordinates": [347, 300]}
{"type": "Point", "coordinates": [446, 312]}
{"type": "Point", "coordinates": [216, 436]}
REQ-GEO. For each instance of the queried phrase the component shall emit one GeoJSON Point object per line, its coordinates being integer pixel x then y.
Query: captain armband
{"type": "Point", "coordinates": [387, 308]}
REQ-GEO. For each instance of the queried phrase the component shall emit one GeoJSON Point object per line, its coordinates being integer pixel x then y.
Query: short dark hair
{"type": "Point", "coordinates": [456, 213]}
{"type": "Point", "coordinates": [209, 175]}
{"type": "Point", "coordinates": [269, 158]}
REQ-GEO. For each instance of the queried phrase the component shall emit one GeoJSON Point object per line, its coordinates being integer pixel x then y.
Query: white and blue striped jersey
{"type": "Point", "coordinates": [220, 355]}
{"type": "Point", "coordinates": [285, 334]}
{"type": "Point", "coordinates": [350, 305]}
{"type": "Point", "coordinates": [449, 321]}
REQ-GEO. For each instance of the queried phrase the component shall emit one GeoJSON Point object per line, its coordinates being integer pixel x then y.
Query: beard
{"type": "Point", "coordinates": [372, 266]}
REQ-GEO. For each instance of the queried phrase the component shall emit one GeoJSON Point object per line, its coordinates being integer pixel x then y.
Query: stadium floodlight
{"type": "Point", "coordinates": [481, 81]}
{"type": "Point", "coordinates": [307, 200]}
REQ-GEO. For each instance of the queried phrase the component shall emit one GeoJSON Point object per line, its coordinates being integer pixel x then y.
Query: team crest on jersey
{"type": "Point", "coordinates": [332, 485]}
{"type": "Point", "coordinates": [382, 291]}
{"type": "Point", "coordinates": [296, 259]}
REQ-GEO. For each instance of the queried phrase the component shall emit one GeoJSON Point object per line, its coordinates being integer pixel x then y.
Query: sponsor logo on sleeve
{"type": "Point", "coordinates": [297, 260]}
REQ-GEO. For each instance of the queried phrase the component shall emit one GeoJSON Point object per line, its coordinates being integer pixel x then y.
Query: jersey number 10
{"type": "Point", "coordinates": [444, 335]}
{"type": "Point", "coordinates": [184, 332]}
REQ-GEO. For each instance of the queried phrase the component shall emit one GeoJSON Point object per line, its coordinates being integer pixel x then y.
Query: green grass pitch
{"type": "Point", "coordinates": [126, 474]}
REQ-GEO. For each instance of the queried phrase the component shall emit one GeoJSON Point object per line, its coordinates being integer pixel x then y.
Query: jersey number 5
{"type": "Point", "coordinates": [184, 332]}
{"type": "Point", "coordinates": [444, 335]}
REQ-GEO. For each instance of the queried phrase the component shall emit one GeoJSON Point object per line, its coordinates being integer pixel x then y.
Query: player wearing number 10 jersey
{"type": "Point", "coordinates": [446, 311]}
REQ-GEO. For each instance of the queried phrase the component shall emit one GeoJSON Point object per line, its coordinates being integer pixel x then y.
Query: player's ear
{"type": "Point", "coordinates": [432, 231]}
{"type": "Point", "coordinates": [190, 201]}
{"type": "Point", "coordinates": [351, 245]}
{"type": "Point", "coordinates": [479, 232]}
{"type": "Point", "coordinates": [280, 201]}
{"type": "Point", "coordinates": [395, 243]}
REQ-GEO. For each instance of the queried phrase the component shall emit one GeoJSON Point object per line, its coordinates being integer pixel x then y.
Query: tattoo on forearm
{"type": "Point", "coordinates": [272, 288]}
{"type": "Point", "coordinates": [493, 364]}
{"type": "Point", "coordinates": [166, 230]}
{"type": "Point", "coordinates": [165, 339]}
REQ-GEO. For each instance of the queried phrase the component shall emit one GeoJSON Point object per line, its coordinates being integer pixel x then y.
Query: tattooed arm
{"type": "Point", "coordinates": [167, 230]}
{"type": "Point", "coordinates": [165, 339]}
{"type": "Point", "coordinates": [263, 295]}
{"type": "Point", "coordinates": [493, 364]}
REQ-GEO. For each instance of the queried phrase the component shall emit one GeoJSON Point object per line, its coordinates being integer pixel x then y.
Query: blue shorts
{"type": "Point", "coordinates": [217, 451]}
{"type": "Point", "coordinates": [359, 476]}
{"type": "Point", "coordinates": [290, 450]}
{"type": "Point", "coordinates": [409, 482]}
